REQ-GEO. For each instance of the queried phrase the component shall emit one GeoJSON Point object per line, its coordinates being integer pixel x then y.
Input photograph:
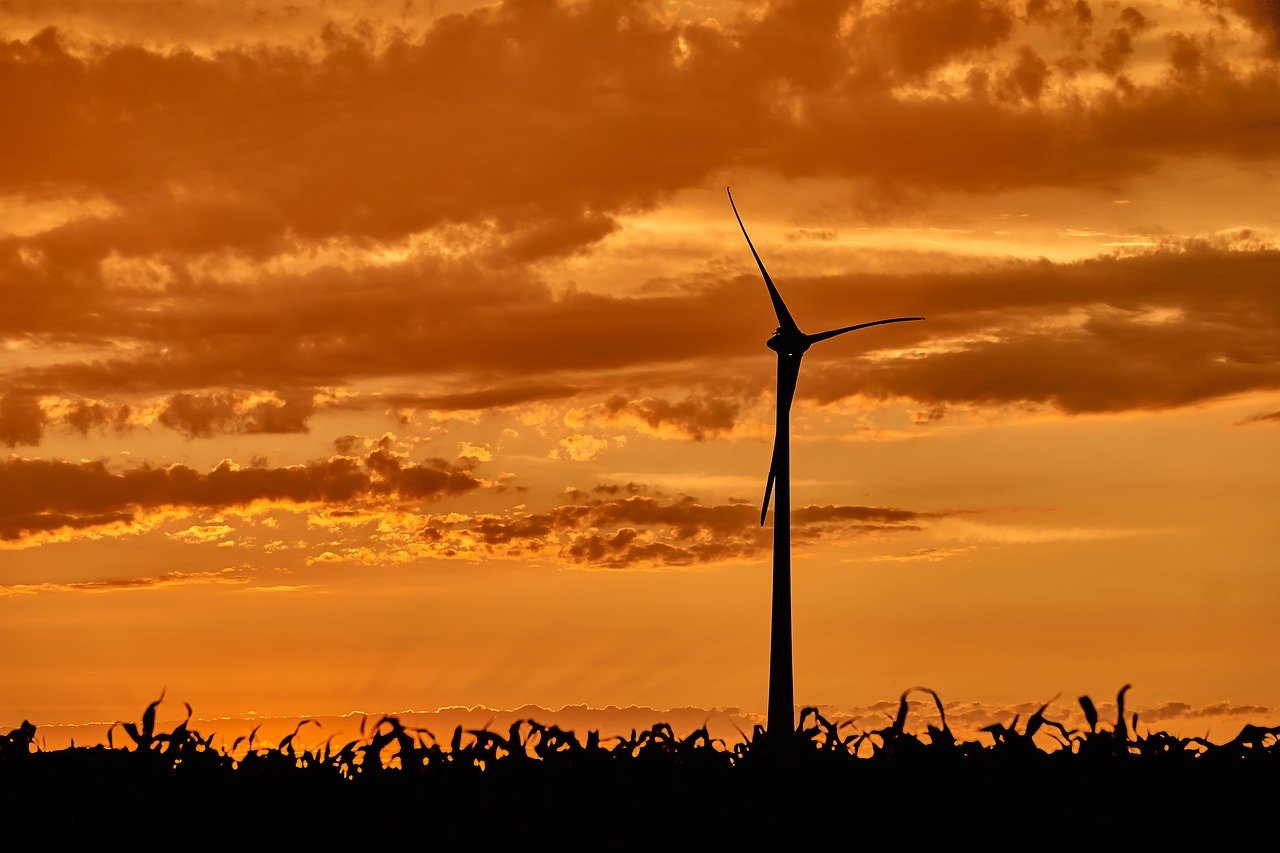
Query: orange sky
{"type": "Point", "coordinates": [391, 355]}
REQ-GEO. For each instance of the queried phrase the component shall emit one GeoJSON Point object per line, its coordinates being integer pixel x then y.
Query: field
{"type": "Point", "coordinates": [823, 784]}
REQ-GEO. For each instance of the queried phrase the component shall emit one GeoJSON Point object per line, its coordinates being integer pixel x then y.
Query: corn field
{"type": "Point", "coordinates": [1106, 786]}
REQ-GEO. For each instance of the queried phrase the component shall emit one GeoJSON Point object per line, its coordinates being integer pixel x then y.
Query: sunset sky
{"type": "Point", "coordinates": [383, 355]}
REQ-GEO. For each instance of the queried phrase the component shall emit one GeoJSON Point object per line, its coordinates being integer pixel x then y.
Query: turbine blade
{"type": "Point", "coordinates": [779, 307]}
{"type": "Point", "coordinates": [788, 375]}
{"type": "Point", "coordinates": [822, 336]}
{"type": "Point", "coordinates": [768, 487]}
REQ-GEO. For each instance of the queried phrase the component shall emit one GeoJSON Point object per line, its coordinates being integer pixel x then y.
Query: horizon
{"type": "Point", "coordinates": [1217, 723]}
{"type": "Point", "coordinates": [376, 356]}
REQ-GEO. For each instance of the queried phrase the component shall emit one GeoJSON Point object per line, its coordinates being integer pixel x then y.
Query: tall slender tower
{"type": "Point", "coordinates": [790, 344]}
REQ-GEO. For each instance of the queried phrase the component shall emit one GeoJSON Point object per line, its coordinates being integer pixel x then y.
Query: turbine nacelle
{"type": "Point", "coordinates": [785, 343]}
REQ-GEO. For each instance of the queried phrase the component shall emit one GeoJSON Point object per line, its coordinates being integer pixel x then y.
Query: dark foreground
{"type": "Point", "coordinates": [820, 786]}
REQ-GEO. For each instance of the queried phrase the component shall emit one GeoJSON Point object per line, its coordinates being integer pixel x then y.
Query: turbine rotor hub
{"type": "Point", "coordinates": [788, 344]}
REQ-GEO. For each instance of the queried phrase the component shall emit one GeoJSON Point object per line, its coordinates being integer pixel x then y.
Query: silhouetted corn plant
{"type": "Point", "coordinates": [391, 750]}
{"type": "Point", "coordinates": [16, 745]}
{"type": "Point", "coordinates": [142, 736]}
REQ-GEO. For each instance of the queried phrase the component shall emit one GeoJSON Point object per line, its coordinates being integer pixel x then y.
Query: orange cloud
{"type": "Point", "coordinates": [1262, 15]}
{"type": "Point", "coordinates": [1079, 339]}
{"type": "Point", "coordinates": [580, 448]}
{"type": "Point", "coordinates": [695, 417]}
{"type": "Point", "coordinates": [236, 411]}
{"type": "Point", "coordinates": [40, 496]}
{"type": "Point", "coordinates": [519, 114]}
{"type": "Point", "coordinates": [226, 576]}
{"type": "Point", "coordinates": [483, 399]}
{"type": "Point", "coordinates": [427, 170]}
{"type": "Point", "coordinates": [1111, 334]}
{"type": "Point", "coordinates": [642, 530]}
{"type": "Point", "coordinates": [84, 415]}
{"type": "Point", "coordinates": [21, 419]}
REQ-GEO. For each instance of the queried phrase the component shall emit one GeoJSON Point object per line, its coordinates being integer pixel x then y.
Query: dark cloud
{"type": "Point", "coordinates": [908, 39]}
{"type": "Point", "coordinates": [48, 495]}
{"type": "Point", "coordinates": [84, 415]}
{"type": "Point", "coordinates": [859, 514]}
{"type": "Point", "coordinates": [347, 444]}
{"type": "Point", "coordinates": [1111, 334]}
{"type": "Point", "coordinates": [16, 524]}
{"type": "Point", "coordinates": [118, 584]}
{"type": "Point", "coordinates": [195, 414]}
{"type": "Point", "coordinates": [559, 237]}
{"type": "Point", "coordinates": [21, 419]}
{"type": "Point", "coordinates": [614, 489]}
{"type": "Point", "coordinates": [519, 114]}
{"type": "Point", "coordinates": [423, 317]}
{"type": "Point", "coordinates": [1026, 80]}
{"type": "Point", "coordinates": [1158, 340]}
{"type": "Point", "coordinates": [1262, 417]}
{"type": "Point", "coordinates": [203, 415]}
{"type": "Point", "coordinates": [451, 124]}
{"type": "Point", "coordinates": [695, 417]}
{"type": "Point", "coordinates": [644, 531]}
{"type": "Point", "coordinates": [485, 398]}
{"type": "Point", "coordinates": [1116, 51]}
{"type": "Point", "coordinates": [1262, 15]}
{"type": "Point", "coordinates": [507, 125]}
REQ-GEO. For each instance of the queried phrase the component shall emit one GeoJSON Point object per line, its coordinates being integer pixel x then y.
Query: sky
{"type": "Point", "coordinates": [403, 355]}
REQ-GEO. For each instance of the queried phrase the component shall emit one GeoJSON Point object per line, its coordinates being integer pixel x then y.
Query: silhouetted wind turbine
{"type": "Point", "coordinates": [790, 344]}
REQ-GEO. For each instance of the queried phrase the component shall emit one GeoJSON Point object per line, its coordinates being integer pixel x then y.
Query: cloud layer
{"type": "Point", "coordinates": [625, 527]}
{"type": "Point", "coordinates": [39, 496]}
{"type": "Point", "coordinates": [242, 228]}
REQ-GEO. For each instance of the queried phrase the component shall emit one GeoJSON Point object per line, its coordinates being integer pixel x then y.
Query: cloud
{"type": "Point", "coordinates": [203, 415]}
{"type": "Point", "coordinates": [966, 719]}
{"type": "Point", "coordinates": [226, 576]}
{"type": "Point", "coordinates": [21, 419]}
{"type": "Point", "coordinates": [695, 417]}
{"type": "Point", "coordinates": [201, 533]}
{"type": "Point", "coordinates": [1106, 335]}
{"type": "Point", "coordinates": [478, 452]}
{"type": "Point", "coordinates": [580, 448]}
{"type": "Point", "coordinates": [528, 136]}
{"type": "Point", "coordinates": [487, 398]}
{"type": "Point", "coordinates": [646, 531]}
{"type": "Point", "coordinates": [909, 39]}
{"type": "Point", "coordinates": [42, 496]}
{"type": "Point", "coordinates": [430, 170]}
{"type": "Point", "coordinates": [931, 555]}
{"type": "Point", "coordinates": [194, 414]}
{"type": "Point", "coordinates": [1261, 417]}
{"type": "Point", "coordinates": [517, 114]}
{"type": "Point", "coordinates": [1174, 710]}
{"type": "Point", "coordinates": [859, 514]}
{"type": "Point", "coordinates": [206, 26]}
{"type": "Point", "coordinates": [1262, 15]}
{"type": "Point", "coordinates": [965, 530]}
{"type": "Point", "coordinates": [84, 415]}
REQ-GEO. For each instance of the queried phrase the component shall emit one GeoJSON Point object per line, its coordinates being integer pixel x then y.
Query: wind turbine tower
{"type": "Point", "coordinates": [790, 344]}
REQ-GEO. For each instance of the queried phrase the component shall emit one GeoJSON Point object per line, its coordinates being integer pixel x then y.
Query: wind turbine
{"type": "Point", "coordinates": [790, 344]}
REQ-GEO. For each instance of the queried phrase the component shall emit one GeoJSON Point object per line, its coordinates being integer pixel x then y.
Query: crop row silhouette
{"type": "Point", "coordinates": [536, 775]}
{"type": "Point", "coordinates": [390, 745]}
